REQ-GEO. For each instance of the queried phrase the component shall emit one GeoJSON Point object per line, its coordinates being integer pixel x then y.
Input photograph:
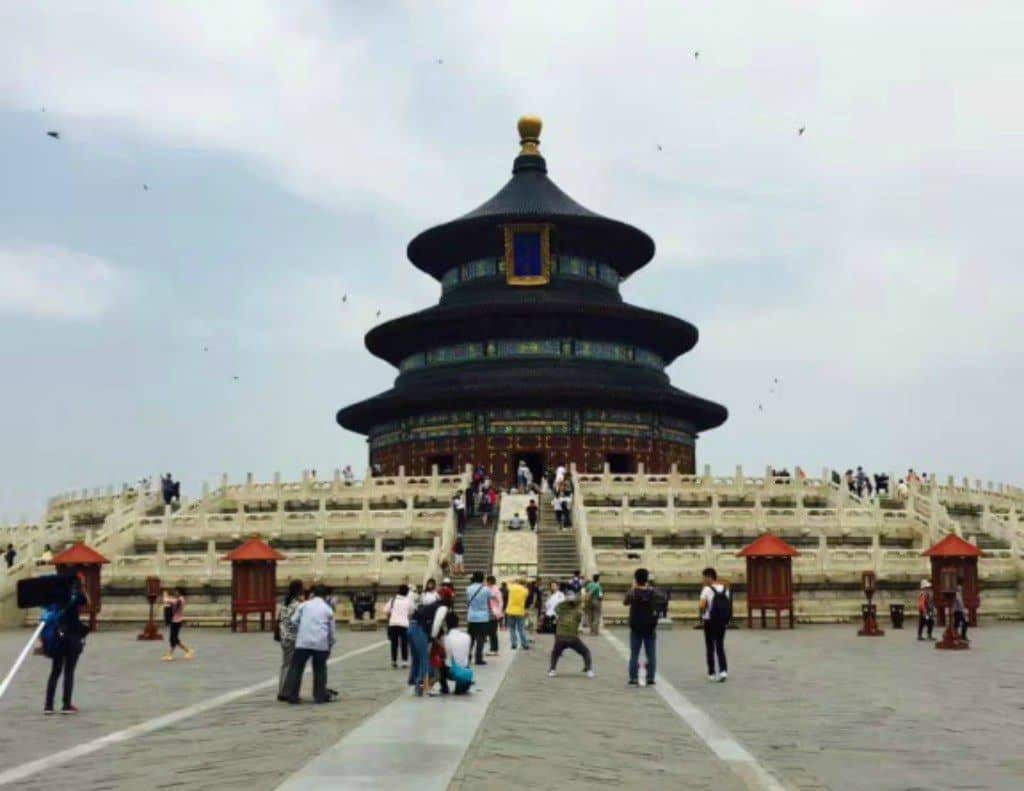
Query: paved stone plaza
{"type": "Point", "coordinates": [816, 708]}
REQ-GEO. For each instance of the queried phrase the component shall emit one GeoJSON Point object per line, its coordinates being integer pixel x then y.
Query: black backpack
{"type": "Point", "coordinates": [425, 614]}
{"type": "Point", "coordinates": [643, 610]}
{"type": "Point", "coordinates": [721, 607]}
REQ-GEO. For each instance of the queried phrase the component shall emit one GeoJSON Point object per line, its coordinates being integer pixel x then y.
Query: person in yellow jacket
{"type": "Point", "coordinates": [515, 613]}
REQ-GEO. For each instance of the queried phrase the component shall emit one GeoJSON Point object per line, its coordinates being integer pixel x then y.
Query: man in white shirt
{"type": "Point", "coordinates": [716, 611]}
{"type": "Point", "coordinates": [555, 597]}
{"type": "Point", "coordinates": [314, 640]}
{"type": "Point", "coordinates": [516, 522]}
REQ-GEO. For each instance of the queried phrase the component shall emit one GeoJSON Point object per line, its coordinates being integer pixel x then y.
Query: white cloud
{"type": "Point", "coordinates": [50, 282]}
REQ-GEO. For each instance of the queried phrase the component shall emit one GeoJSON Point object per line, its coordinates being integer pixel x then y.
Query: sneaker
{"type": "Point", "coordinates": [190, 654]}
{"type": "Point", "coordinates": [650, 682]}
{"type": "Point", "coordinates": [48, 710]}
{"type": "Point", "coordinates": [590, 674]}
{"type": "Point", "coordinates": [167, 658]}
{"type": "Point", "coordinates": [712, 677]}
{"type": "Point", "coordinates": [552, 674]}
{"type": "Point", "coordinates": [394, 665]}
{"type": "Point", "coordinates": [404, 665]}
{"type": "Point", "coordinates": [723, 676]}
{"type": "Point", "coordinates": [634, 683]}
{"type": "Point", "coordinates": [69, 709]}
{"type": "Point", "coordinates": [481, 662]}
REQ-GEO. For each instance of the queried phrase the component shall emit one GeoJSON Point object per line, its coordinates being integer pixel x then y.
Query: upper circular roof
{"type": "Point", "coordinates": [530, 196]}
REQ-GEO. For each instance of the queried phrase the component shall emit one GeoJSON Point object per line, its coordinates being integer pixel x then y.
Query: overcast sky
{"type": "Point", "coordinates": [872, 265]}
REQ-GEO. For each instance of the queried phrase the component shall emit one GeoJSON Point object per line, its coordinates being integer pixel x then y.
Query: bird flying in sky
{"type": "Point", "coordinates": [801, 130]}
{"type": "Point", "coordinates": [55, 135]}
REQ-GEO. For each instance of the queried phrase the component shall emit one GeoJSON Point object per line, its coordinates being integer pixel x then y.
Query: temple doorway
{"type": "Point", "coordinates": [445, 463]}
{"type": "Point", "coordinates": [620, 463]}
{"type": "Point", "coordinates": [535, 461]}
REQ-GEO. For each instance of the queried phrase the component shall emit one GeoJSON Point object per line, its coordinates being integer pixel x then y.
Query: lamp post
{"type": "Point", "coordinates": [951, 641]}
{"type": "Point", "coordinates": [150, 632]}
{"type": "Point", "coordinates": [870, 628]}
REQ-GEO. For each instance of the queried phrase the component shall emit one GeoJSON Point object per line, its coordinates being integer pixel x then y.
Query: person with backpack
{"type": "Point", "coordinates": [716, 612]}
{"type": "Point", "coordinates": [176, 603]}
{"type": "Point", "coordinates": [63, 642]}
{"type": "Point", "coordinates": [644, 602]}
{"type": "Point", "coordinates": [425, 626]}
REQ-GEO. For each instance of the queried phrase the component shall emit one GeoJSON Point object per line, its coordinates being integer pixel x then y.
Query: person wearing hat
{"type": "Point", "coordinates": [567, 633]}
{"type": "Point", "coordinates": [925, 610]}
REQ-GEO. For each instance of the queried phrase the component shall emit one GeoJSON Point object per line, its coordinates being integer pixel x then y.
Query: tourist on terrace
{"type": "Point", "coordinates": [521, 473]}
{"type": "Point", "coordinates": [716, 612]}
{"type": "Point", "coordinates": [516, 605]}
{"type": "Point", "coordinates": [516, 522]}
{"type": "Point", "coordinates": [447, 590]}
{"type": "Point", "coordinates": [478, 613]}
{"type": "Point", "coordinates": [398, 610]}
{"type": "Point", "coordinates": [170, 489]}
{"type": "Point", "coordinates": [347, 474]}
{"type": "Point", "coordinates": [902, 491]}
{"type": "Point", "coordinates": [881, 484]}
{"type": "Point", "coordinates": [458, 554]}
{"type": "Point", "coordinates": [315, 637]}
{"type": "Point", "coordinates": [10, 555]}
{"type": "Point", "coordinates": [430, 594]}
{"type": "Point", "coordinates": [567, 634]}
{"type": "Point", "coordinates": [287, 632]}
{"type": "Point", "coordinates": [459, 506]}
{"type": "Point", "coordinates": [643, 602]}
{"type": "Point", "coordinates": [595, 596]}
{"type": "Point", "coordinates": [46, 556]}
{"type": "Point", "coordinates": [67, 648]}
{"type": "Point", "coordinates": [425, 626]}
{"type": "Point", "coordinates": [531, 514]}
{"type": "Point", "coordinates": [912, 477]}
{"type": "Point", "coordinates": [497, 605]}
{"type": "Point", "coordinates": [925, 610]}
{"type": "Point", "coordinates": [176, 601]}
{"type": "Point", "coordinates": [456, 650]}
{"type": "Point", "coordinates": [860, 479]}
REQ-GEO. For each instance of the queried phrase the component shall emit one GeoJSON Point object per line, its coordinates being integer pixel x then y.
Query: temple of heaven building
{"type": "Point", "coordinates": [531, 352]}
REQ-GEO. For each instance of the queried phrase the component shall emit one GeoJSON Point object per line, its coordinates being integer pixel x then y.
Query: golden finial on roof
{"type": "Point", "coordinates": [529, 135]}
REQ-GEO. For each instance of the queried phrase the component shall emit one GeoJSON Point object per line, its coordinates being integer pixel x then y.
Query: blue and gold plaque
{"type": "Point", "coordinates": [528, 254]}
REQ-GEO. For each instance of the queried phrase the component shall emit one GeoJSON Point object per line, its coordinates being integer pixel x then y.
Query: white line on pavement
{"type": "Point", "coordinates": [722, 743]}
{"type": "Point", "coordinates": [149, 726]}
{"type": "Point", "coordinates": [402, 746]}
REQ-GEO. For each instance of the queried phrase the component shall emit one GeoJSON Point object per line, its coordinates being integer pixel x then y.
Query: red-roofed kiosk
{"type": "Point", "coordinates": [84, 560]}
{"type": "Point", "coordinates": [953, 552]}
{"type": "Point", "coordinates": [253, 582]}
{"type": "Point", "coordinates": [769, 578]}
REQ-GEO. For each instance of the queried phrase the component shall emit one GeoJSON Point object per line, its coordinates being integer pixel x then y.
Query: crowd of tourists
{"type": "Point", "coordinates": [877, 485]}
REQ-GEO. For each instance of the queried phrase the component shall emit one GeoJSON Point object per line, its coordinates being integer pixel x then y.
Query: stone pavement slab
{"type": "Point", "coordinates": [572, 732]}
{"type": "Point", "coordinates": [823, 708]}
{"type": "Point", "coordinates": [413, 743]}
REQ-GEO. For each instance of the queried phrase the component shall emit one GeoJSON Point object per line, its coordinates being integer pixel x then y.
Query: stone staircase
{"type": "Point", "coordinates": [478, 543]}
{"type": "Point", "coordinates": [557, 557]}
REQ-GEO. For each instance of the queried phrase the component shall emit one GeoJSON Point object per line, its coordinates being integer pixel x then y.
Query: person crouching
{"type": "Point", "coordinates": [567, 628]}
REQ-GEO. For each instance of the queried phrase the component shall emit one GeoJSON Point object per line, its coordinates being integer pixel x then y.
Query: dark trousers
{"type": "Point", "coordinates": [64, 660]}
{"type": "Point", "coordinates": [399, 635]}
{"type": "Point", "coordinates": [714, 646]}
{"type": "Point", "coordinates": [649, 642]}
{"type": "Point", "coordinates": [478, 633]}
{"type": "Point", "coordinates": [577, 645]}
{"type": "Point", "coordinates": [922, 623]}
{"type": "Point", "coordinates": [294, 680]}
{"type": "Point", "coordinates": [175, 634]}
{"type": "Point", "coordinates": [492, 634]}
{"type": "Point", "coordinates": [960, 622]}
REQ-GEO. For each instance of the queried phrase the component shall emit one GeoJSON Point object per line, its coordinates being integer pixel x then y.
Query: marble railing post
{"type": "Point", "coordinates": [161, 558]}
{"type": "Point", "coordinates": [709, 549]}
{"type": "Point", "coordinates": [320, 559]}
{"type": "Point", "coordinates": [822, 553]}
{"type": "Point", "coordinates": [876, 554]}
{"type": "Point", "coordinates": [211, 559]}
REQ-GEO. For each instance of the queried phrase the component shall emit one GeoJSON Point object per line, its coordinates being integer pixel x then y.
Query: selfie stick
{"type": "Point", "coordinates": [21, 658]}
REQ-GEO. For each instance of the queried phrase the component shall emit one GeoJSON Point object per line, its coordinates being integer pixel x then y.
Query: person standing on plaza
{"type": "Point", "coordinates": [556, 595]}
{"type": "Point", "coordinates": [287, 632]}
{"type": "Point", "coordinates": [176, 601]}
{"type": "Point", "coordinates": [643, 602]}
{"type": "Point", "coordinates": [399, 610]}
{"type": "Point", "coordinates": [66, 648]}
{"type": "Point", "coordinates": [595, 596]}
{"type": "Point", "coordinates": [497, 605]}
{"type": "Point", "coordinates": [960, 609]}
{"type": "Point", "coordinates": [567, 634]}
{"type": "Point", "coordinates": [515, 612]}
{"type": "Point", "coordinates": [531, 514]}
{"type": "Point", "coordinates": [478, 614]}
{"type": "Point", "coordinates": [315, 637]}
{"type": "Point", "coordinates": [10, 555]}
{"type": "Point", "coordinates": [925, 610]}
{"type": "Point", "coordinates": [716, 612]}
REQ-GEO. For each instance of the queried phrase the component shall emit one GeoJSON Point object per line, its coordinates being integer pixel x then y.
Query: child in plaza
{"type": "Point", "coordinates": [176, 602]}
{"type": "Point", "coordinates": [716, 612]}
{"type": "Point", "coordinates": [567, 633]}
